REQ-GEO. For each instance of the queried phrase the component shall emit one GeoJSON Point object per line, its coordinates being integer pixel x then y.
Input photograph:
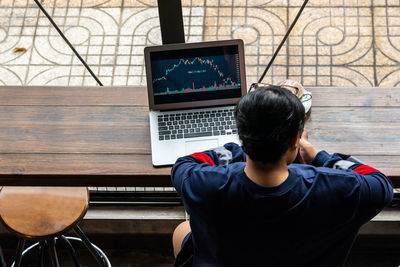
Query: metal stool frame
{"type": "Point", "coordinates": [2, 261]}
{"type": "Point", "coordinates": [50, 245]}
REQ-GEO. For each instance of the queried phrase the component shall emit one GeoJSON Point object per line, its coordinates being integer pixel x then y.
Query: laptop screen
{"type": "Point", "coordinates": [194, 75]}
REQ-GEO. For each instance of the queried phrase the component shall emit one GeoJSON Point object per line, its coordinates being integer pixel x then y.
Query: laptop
{"type": "Point", "coordinates": [192, 90]}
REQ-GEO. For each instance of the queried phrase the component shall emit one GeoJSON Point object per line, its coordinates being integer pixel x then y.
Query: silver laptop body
{"type": "Point", "coordinates": [192, 92]}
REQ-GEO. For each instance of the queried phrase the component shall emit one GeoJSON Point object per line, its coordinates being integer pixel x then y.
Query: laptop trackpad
{"type": "Point", "coordinates": [199, 146]}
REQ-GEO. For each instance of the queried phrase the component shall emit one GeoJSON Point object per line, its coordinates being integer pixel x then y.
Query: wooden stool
{"type": "Point", "coordinates": [44, 214]}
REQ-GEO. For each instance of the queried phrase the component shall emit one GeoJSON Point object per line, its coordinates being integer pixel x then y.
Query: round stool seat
{"type": "Point", "coordinates": [42, 212]}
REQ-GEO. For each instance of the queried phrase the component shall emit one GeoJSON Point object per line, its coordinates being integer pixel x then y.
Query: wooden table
{"type": "Point", "coordinates": [100, 135]}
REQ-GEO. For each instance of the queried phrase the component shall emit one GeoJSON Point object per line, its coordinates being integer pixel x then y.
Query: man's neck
{"type": "Point", "coordinates": [267, 174]}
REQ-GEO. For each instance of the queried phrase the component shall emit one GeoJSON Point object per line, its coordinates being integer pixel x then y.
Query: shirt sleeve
{"type": "Point", "coordinates": [375, 189]}
{"type": "Point", "coordinates": [204, 170]}
{"type": "Point", "coordinates": [376, 192]}
{"type": "Point", "coordinates": [229, 153]}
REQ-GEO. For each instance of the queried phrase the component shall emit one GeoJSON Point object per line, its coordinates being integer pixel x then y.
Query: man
{"type": "Point", "coordinates": [250, 206]}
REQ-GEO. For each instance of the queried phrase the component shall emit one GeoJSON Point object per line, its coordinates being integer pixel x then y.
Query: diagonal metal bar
{"type": "Point", "coordinates": [53, 253]}
{"type": "Point", "coordinates": [2, 261]}
{"type": "Point", "coordinates": [42, 248]}
{"type": "Point", "coordinates": [71, 250]}
{"type": "Point", "coordinates": [99, 258]}
{"type": "Point", "coordinates": [20, 249]}
{"type": "Point", "coordinates": [68, 42]}
{"type": "Point", "coordinates": [283, 40]}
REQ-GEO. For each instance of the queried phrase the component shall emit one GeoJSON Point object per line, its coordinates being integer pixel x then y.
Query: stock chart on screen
{"type": "Point", "coordinates": [196, 74]}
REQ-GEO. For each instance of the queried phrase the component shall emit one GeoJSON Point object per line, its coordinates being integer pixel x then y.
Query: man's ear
{"type": "Point", "coordinates": [296, 141]}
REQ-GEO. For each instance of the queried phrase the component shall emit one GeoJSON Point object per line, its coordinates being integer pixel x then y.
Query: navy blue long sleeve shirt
{"type": "Point", "coordinates": [311, 219]}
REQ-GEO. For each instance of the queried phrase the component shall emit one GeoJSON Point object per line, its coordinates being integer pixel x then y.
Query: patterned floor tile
{"type": "Point", "coordinates": [326, 42]}
{"type": "Point", "coordinates": [111, 40]}
{"type": "Point", "coordinates": [261, 30]}
{"type": "Point", "coordinates": [387, 38]}
{"type": "Point", "coordinates": [97, 3]}
{"type": "Point", "coordinates": [335, 43]}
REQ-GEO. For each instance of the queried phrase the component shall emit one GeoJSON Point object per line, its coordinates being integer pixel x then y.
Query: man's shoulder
{"type": "Point", "coordinates": [215, 176]}
{"type": "Point", "coordinates": [326, 177]}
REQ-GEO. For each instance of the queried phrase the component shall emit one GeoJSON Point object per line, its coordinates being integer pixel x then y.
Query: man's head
{"type": "Point", "coordinates": [269, 120]}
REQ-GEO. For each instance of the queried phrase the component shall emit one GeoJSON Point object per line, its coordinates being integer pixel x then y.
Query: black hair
{"type": "Point", "coordinates": [267, 120]}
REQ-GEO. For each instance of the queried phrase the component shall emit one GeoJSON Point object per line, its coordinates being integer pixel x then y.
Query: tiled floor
{"type": "Point", "coordinates": [335, 43]}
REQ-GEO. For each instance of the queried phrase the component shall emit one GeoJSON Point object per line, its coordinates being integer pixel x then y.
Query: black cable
{"type": "Point", "coordinates": [68, 43]}
{"type": "Point", "coordinates": [283, 40]}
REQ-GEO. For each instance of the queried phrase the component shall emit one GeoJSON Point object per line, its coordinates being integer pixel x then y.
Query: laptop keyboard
{"type": "Point", "coordinates": [183, 124]}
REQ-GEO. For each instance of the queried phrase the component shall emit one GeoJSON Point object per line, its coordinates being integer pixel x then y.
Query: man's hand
{"type": "Point", "coordinates": [307, 152]}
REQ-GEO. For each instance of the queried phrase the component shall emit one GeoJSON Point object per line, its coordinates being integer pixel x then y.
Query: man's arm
{"type": "Point", "coordinates": [197, 165]}
{"type": "Point", "coordinates": [376, 190]}
{"type": "Point", "coordinates": [307, 152]}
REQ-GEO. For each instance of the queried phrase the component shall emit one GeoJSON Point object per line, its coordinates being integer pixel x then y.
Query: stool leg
{"type": "Point", "coordinates": [42, 249]}
{"type": "Point", "coordinates": [71, 251]}
{"type": "Point", "coordinates": [53, 253]}
{"type": "Point", "coordinates": [20, 249]}
{"type": "Point", "coordinates": [2, 262]}
{"type": "Point", "coordinates": [89, 246]}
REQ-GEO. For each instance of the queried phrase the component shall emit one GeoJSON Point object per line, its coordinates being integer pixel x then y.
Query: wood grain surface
{"type": "Point", "coordinates": [42, 212]}
{"type": "Point", "coordinates": [100, 135]}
